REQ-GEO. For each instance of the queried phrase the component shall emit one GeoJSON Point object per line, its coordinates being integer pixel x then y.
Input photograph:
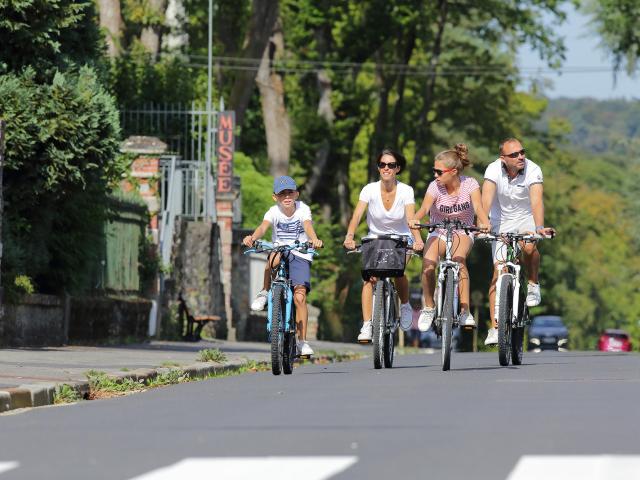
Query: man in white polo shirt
{"type": "Point", "coordinates": [512, 194]}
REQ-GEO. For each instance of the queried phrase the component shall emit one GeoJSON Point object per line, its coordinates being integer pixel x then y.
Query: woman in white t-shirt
{"type": "Point", "coordinates": [451, 196]}
{"type": "Point", "coordinates": [389, 204]}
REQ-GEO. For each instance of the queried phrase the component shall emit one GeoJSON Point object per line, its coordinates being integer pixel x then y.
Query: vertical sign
{"type": "Point", "coordinates": [224, 150]}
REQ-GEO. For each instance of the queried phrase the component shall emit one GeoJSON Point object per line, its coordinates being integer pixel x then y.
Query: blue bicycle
{"type": "Point", "coordinates": [281, 311]}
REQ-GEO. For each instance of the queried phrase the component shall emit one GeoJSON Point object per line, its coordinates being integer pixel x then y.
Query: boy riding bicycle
{"type": "Point", "coordinates": [291, 222]}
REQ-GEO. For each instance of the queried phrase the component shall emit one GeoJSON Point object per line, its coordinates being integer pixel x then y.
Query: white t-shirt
{"type": "Point", "coordinates": [286, 230]}
{"type": "Point", "coordinates": [382, 221]}
{"type": "Point", "coordinates": [512, 201]}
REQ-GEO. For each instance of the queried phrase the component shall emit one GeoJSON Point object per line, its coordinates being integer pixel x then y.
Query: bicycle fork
{"type": "Point", "coordinates": [287, 317]}
{"type": "Point", "coordinates": [513, 270]}
{"type": "Point", "coordinates": [442, 272]}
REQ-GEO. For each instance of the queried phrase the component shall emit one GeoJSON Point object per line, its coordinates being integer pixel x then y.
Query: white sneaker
{"type": "Point", "coordinates": [426, 318]}
{"type": "Point", "coordinates": [304, 350]}
{"type": "Point", "coordinates": [406, 316]}
{"type": "Point", "coordinates": [492, 337]}
{"type": "Point", "coordinates": [467, 320]}
{"type": "Point", "coordinates": [366, 332]}
{"type": "Point", "coordinates": [533, 295]}
{"type": "Point", "coordinates": [260, 301]}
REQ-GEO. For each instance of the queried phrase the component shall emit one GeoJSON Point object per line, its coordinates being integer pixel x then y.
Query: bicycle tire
{"type": "Point", "coordinates": [505, 310]}
{"type": "Point", "coordinates": [389, 337]}
{"type": "Point", "coordinates": [378, 319]}
{"type": "Point", "coordinates": [517, 336]}
{"type": "Point", "coordinates": [277, 328]}
{"type": "Point", "coordinates": [447, 319]}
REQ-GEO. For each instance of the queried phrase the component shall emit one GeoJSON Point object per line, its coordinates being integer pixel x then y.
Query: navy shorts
{"type": "Point", "coordinates": [299, 271]}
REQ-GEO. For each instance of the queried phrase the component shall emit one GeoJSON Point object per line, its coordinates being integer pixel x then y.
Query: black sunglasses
{"type": "Point", "coordinates": [391, 165]}
{"type": "Point", "coordinates": [514, 154]}
{"type": "Point", "coordinates": [438, 172]}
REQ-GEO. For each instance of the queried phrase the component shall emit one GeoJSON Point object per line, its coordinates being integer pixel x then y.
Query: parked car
{"type": "Point", "coordinates": [614, 340]}
{"type": "Point", "coordinates": [548, 332]}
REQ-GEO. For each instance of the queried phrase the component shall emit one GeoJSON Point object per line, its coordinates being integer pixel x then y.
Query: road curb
{"type": "Point", "coordinates": [43, 394]}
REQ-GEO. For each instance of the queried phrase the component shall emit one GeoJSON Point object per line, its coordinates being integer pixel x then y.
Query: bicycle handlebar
{"type": "Point", "coordinates": [448, 225]}
{"type": "Point", "coordinates": [525, 237]}
{"type": "Point", "coordinates": [260, 246]}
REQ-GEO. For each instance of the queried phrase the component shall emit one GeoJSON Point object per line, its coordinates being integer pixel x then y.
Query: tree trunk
{"type": "Point", "coordinates": [152, 34]}
{"type": "Point", "coordinates": [398, 110]}
{"type": "Point", "coordinates": [325, 111]}
{"type": "Point", "coordinates": [111, 22]}
{"type": "Point", "coordinates": [423, 120]}
{"type": "Point", "coordinates": [263, 18]}
{"type": "Point", "coordinates": [274, 112]}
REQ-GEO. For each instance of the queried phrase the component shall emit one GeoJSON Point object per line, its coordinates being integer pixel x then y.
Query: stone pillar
{"type": "Point", "coordinates": [224, 212]}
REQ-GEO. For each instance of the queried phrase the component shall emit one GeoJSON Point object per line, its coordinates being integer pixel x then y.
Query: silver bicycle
{"type": "Point", "coordinates": [446, 293]}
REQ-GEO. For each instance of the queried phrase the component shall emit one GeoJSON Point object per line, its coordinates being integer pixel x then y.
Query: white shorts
{"type": "Point", "coordinates": [522, 225]}
{"type": "Point", "coordinates": [443, 236]}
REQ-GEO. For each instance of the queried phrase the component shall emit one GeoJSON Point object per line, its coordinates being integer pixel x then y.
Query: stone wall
{"type": "Point", "coordinates": [37, 321]}
{"type": "Point", "coordinates": [112, 319]}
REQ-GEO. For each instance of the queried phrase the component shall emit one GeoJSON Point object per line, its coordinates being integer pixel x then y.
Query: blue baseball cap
{"type": "Point", "coordinates": [284, 183]}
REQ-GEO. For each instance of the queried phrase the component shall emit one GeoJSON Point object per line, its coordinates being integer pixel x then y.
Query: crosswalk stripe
{"type": "Point", "coordinates": [241, 468]}
{"type": "Point", "coordinates": [5, 466]}
{"type": "Point", "coordinates": [584, 467]}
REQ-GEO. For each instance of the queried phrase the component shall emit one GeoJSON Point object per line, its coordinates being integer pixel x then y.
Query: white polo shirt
{"type": "Point", "coordinates": [511, 206]}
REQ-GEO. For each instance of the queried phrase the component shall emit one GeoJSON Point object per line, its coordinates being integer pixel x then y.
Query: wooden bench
{"type": "Point", "coordinates": [195, 323]}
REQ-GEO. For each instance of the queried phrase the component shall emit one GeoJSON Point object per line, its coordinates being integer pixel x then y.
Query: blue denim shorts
{"type": "Point", "coordinates": [299, 271]}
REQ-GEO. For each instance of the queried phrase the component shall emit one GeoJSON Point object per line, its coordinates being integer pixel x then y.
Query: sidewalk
{"type": "Point", "coordinates": [28, 377]}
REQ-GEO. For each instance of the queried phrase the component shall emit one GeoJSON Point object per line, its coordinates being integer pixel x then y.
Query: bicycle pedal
{"type": "Point", "coordinates": [364, 342]}
{"type": "Point", "coordinates": [304, 357]}
{"type": "Point", "coordinates": [470, 328]}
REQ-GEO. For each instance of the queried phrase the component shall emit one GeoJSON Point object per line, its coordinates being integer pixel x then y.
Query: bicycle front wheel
{"type": "Point", "coordinates": [390, 335]}
{"type": "Point", "coordinates": [378, 320]}
{"type": "Point", "coordinates": [517, 336]}
{"type": "Point", "coordinates": [447, 319]}
{"type": "Point", "coordinates": [505, 314]}
{"type": "Point", "coordinates": [277, 328]}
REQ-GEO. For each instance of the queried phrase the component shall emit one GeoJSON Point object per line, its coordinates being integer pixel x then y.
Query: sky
{"type": "Point", "coordinates": [582, 51]}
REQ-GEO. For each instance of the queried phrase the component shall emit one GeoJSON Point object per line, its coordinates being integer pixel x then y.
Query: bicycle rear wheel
{"type": "Point", "coordinates": [378, 320]}
{"type": "Point", "coordinates": [390, 336]}
{"type": "Point", "coordinates": [447, 319]}
{"type": "Point", "coordinates": [277, 328]}
{"type": "Point", "coordinates": [505, 310]}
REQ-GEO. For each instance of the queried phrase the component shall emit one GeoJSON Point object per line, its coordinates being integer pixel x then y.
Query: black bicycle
{"type": "Point", "coordinates": [384, 257]}
{"type": "Point", "coordinates": [446, 295]}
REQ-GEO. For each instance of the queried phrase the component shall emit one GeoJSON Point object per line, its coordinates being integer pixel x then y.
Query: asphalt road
{"type": "Point", "coordinates": [349, 421]}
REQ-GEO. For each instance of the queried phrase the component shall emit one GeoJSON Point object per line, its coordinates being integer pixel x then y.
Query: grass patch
{"type": "Point", "coordinates": [212, 355]}
{"type": "Point", "coordinates": [65, 394]}
{"type": "Point", "coordinates": [169, 364]}
{"type": "Point", "coordinates": [172, 377]}
{"type": "Point", "coordinates": [101, 385]}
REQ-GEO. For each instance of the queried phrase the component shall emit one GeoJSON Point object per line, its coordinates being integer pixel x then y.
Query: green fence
{"type": "Point", "coordinates": [124, 234]}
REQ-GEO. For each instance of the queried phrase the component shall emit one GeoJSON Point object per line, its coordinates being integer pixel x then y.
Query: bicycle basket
{"type": "Point", "coordinates": [383, 257]}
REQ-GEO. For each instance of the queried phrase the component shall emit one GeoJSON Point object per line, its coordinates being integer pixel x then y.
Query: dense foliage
{"type": "Point", "coordinates": [61, 143]}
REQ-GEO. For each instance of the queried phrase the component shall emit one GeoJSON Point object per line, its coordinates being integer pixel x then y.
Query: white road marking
{"type": "Point", "coordinates": [241, 468]}
{"type": "Point", "coordinates": [6, 466]}
{"type": "Point", "coordinates": [583, 467]}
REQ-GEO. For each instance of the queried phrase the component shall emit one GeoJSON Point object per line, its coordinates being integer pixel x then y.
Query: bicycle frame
{"type": "Point", "coordinates": [281, 277]}
{"type": "Point", "coordinates": [444, 265]}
